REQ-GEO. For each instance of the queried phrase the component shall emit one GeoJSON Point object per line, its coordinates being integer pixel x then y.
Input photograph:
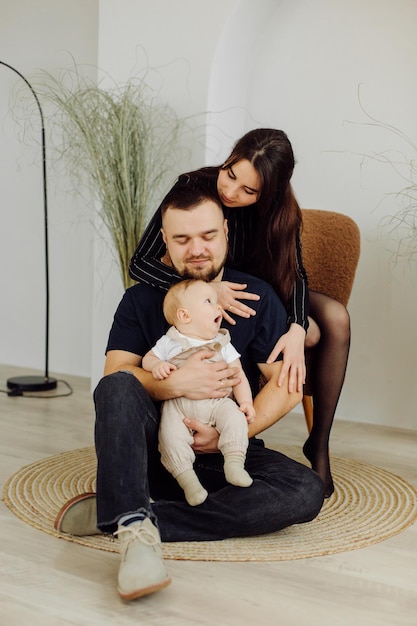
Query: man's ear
{"type": "Point", "coordinates": [226, 229]}
{"type": "Point", "coordinates": [164, 236]}
{"type": "Point", "coordinates": [183, 316]}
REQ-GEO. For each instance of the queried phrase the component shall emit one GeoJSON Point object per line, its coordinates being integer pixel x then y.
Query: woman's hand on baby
{"type": "Point", "coordinates": [230, 295]}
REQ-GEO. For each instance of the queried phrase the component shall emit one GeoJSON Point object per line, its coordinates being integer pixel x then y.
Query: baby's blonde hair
{"type": "Point", "coordinates": [173, 298]}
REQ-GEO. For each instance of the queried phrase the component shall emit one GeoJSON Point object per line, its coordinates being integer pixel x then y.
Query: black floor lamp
{"type": "Point", "coordinates": [38, 383]}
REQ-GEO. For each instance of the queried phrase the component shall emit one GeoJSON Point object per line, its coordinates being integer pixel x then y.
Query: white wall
{"type": "Point", "coordinates": [40, 35]}
{"type": "Point", "coordinates": [289, 64]}
{"type": "Point", "coordinates": [173, 44]}
{"type": "Point", "coordinates": [298, 66]}
{"type": "Point", "coordinates": [309, 65]}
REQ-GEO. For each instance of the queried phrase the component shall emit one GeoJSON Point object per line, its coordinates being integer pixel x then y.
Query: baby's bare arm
{"type": "Point", "coordinates": [243, 393]}
{"type": "Point", "coordinates": [160, 369]}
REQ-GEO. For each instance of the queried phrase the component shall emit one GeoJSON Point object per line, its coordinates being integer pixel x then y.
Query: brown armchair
{"type": "Point", "coordinates": [331, 246]}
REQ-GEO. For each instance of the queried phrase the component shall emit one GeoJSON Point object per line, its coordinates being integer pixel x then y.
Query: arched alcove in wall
{"type": "Point", "coordinates": [232, 66]}
{"type": "Point", "coordinates": [300, 66]}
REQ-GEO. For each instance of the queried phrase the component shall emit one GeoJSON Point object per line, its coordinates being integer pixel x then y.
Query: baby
{"type": "Point", "coordinates": [191, 308]}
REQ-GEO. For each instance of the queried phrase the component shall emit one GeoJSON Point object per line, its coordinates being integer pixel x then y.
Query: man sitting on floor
{"type": "Point", "coordinates": [129, 471]}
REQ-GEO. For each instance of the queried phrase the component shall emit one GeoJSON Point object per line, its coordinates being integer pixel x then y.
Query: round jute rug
{"type": "Point", "coordinates": [368, 506]}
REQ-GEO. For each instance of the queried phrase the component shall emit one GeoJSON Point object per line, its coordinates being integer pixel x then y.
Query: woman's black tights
{"type": "Point", "coordinates": [329, 358]}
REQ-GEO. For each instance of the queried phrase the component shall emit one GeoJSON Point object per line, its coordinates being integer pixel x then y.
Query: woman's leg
{"type": "Point", "coordinates": [330, 357]}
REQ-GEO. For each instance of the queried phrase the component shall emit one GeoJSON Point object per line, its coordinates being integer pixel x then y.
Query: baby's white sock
{"type": "Point", "coordinates": [234, 470]}
{"type": "Point", "coordinates": [193, 489]}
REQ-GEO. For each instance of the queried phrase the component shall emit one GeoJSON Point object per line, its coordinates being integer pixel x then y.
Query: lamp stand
{"type": "Point", "coordinates": [37, 383]}
{"type": "Point", "coordinates": [31, 383]}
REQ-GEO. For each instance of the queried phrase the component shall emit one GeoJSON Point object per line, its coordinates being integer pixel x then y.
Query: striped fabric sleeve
{"type": "Point", "coordinates": [145, 266]}
{"type": "Point", "coordinates": [298, 303]}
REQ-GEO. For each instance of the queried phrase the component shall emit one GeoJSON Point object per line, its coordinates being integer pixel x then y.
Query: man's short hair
{"type": "Point", "coordinates": [188, 193]}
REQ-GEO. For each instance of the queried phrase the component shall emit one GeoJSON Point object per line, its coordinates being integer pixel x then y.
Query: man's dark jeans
{"type": "Point", "coordinates": [130, 473]}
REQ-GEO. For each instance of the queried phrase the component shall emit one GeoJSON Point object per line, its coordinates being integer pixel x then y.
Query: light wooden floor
{"type": "Point", "coordinates": [47, 582]}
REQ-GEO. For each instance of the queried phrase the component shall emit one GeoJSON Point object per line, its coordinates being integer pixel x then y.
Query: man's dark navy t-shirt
{"type": "Point", "coordinates": [139, 322]}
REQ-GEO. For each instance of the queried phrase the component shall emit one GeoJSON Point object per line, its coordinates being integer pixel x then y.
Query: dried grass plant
{"type": "Point", "coordinates": [400, 225]}
{"type": "Point", "coordinates": [120, 143]}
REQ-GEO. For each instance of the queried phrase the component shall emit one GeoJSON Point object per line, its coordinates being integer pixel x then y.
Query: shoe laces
{"type": "Point", "coordinates": [137, 532]}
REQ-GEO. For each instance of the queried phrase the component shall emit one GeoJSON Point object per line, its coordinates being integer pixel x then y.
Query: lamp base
{"type": "Point", "coordinates": [31, 383]}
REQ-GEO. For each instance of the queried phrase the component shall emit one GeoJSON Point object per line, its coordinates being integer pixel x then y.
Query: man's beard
{"type": "Point", "coordinates": [203, 274]}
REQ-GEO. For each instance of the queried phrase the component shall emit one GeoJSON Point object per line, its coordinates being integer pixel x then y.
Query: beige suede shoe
{"type": "Point", "coordinates": [78, 516]}
{"type": "Point", "coordinates": [142, 570]}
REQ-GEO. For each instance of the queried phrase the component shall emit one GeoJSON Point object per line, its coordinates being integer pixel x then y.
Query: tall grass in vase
{"type": "Point", "coordinates": [120, 143]}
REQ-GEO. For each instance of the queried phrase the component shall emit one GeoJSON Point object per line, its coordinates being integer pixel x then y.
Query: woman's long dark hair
{"type": "Point", "coordinates": [274, 257]}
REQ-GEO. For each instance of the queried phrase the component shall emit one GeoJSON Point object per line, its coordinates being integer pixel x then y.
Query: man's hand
{"type": "Point", "coordinates": [206, 438]}
{"type": "Point", "coordinates": [198, 379]}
